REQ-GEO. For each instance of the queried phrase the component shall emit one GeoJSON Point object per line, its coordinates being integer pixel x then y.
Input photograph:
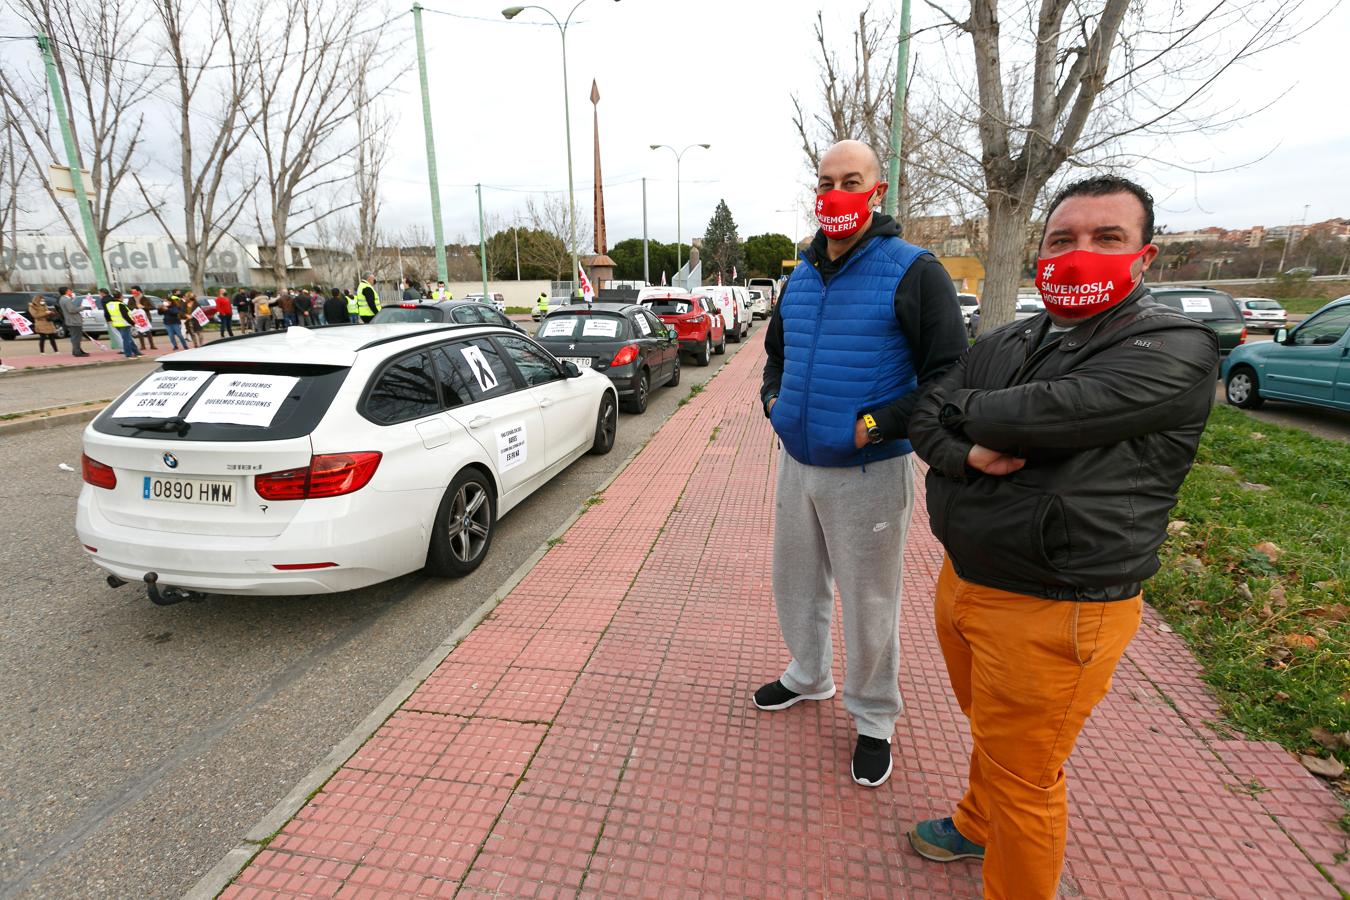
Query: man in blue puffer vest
{"type": "Point", "coordinates": [864, 322]}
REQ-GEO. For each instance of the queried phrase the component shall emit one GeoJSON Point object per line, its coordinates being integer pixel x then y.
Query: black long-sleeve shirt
{"type": "Point", "coordinates": [925, 307]}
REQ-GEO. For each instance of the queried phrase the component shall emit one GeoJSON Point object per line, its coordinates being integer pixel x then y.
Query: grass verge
{"type": "Point", "coordinates": [1254, 577]}
{"type": "Point", "coordinates": [1304, 305]}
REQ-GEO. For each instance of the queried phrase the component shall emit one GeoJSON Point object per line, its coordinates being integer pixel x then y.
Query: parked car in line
{"type": "Point", "coordinates": [1310, 364]}
{"type": "Point", "coordinates": [1028, 305]}
{"type": "Point", "coordinates": [969, 303]}
{"type": "Point", "coordinates": [1260, 312]}
{"type": "Point", "coordinates": [498, 300]}
{"type": "Point", "coordinates": [624, 341]}
{"type": "Point", "coordinates": [311, 461]}
{"type": "Point", "coordinates": [18, 301]}
{"type": "Point", "coordinates": [734, 317]}
{"type": "Point", "coordinates": [460, 312]}
{"type": "Point", "coordinates": [768, 287]}
{"type": "Point", "coordinates": [760, 308]}
{"type": "Point", "coordinates": [696, 321]}
{"type": "Point", "coordinates": [1215, 308]}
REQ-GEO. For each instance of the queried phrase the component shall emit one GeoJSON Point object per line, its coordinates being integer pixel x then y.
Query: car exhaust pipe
{"type": "Point", "coordinates": [169, 595]}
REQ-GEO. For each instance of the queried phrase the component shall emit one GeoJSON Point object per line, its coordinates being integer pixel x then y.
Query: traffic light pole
{"type": "Point", "coordinates": [438, 233]}
{"type": "Point", "coordinates": [92, 245]}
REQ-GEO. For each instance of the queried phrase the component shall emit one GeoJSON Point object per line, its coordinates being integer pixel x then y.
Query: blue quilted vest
{"type": "Point", "coordinates": [843, 354]}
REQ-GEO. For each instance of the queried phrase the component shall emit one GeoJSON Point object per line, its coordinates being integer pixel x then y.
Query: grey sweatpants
{"type": "Point", "coordinates": [843, 526]}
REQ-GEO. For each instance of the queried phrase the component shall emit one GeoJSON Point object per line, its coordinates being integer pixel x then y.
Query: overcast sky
{"type": "Point", "coordinates": [723, 73]}
{"type": "Point", "coordinates": [712, 71]}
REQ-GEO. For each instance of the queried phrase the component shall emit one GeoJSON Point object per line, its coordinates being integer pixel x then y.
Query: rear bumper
{"type": "Point", "coordinates": [1272, 324]}
{"type": "Point", "coordinates": [624, 379]}
{"type": "Point", "coordinates": [381, 537]}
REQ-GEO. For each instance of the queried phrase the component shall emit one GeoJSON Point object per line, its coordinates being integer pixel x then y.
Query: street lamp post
{"type": "Point", "coordinates": [510, 13]}
{"type": "Point", "coordinates": [679, 226]}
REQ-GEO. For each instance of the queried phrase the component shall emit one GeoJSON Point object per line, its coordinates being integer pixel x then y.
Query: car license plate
{"type": "Point", "coordinates": [581, 362]}
{"type": "Point", "coordinates": [189, 490]}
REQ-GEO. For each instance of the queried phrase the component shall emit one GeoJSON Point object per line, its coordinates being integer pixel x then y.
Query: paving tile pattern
{"type": "Point", "coordinates": [594, 736]}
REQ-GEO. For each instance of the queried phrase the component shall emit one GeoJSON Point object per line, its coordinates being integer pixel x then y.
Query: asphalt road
{"type": "Point", "coordinates": [141, 742]}
{"type": "Point", "coordinates": [1328, 423]}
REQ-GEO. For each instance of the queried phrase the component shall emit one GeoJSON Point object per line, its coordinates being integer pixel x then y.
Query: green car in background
{"type": "Point", "coordinates": [1215, 308]}
{"type": "Point", "coordinates": [1310, 364]}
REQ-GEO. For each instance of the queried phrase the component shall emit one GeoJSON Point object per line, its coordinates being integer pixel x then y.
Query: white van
{"type": "Point", "coordinates": [735, 316]}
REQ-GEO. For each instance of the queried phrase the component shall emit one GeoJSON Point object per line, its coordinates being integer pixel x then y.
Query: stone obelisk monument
{"type": "Point", "coordinates": [600, 267]}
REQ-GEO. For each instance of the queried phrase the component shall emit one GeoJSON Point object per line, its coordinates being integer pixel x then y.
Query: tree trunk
{"type": "Point", "coordinates": [1003, 263]}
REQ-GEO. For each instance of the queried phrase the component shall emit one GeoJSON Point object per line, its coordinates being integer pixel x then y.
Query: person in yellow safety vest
{"type": "Point", "coordinates": [541, 306]}
{"type": "Point", "coordinates": [367, 299]}
{"type": "Point", "coordinates": [119, 317]}
{"type": "Point", "coordinates": [442, 292]}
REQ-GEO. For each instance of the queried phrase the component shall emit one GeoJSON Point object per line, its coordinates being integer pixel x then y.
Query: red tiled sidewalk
{"type": "Point", "coordinates": [594, 736]}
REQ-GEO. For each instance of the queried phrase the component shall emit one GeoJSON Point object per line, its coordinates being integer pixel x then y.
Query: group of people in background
{"type": "Point", "coordinates": [244, 312]}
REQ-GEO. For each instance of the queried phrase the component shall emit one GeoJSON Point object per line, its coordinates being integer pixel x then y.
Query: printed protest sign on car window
{"type": "Point", "coordinates": [161, 396]}
{"type": "Point", "coordinates": [243, 399]}
{"type": "Point", "coordinates": [600, 328]}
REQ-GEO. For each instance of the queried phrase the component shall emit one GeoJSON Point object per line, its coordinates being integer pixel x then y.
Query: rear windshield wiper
{"type": "Point", "coordinates": [177, 423]}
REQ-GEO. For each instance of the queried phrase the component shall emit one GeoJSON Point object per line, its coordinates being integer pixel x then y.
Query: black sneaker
{"type": "Point", "coordinates": [871, 761]}
{"type": "Point", "coordinates": [775, 696]}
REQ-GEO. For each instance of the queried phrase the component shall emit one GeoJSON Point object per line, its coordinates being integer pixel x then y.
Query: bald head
{"type": "Point", "coordinates": [849, 158]}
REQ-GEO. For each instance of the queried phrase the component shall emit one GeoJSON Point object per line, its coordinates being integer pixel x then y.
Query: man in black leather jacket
{"type": "Point", "coordinates": [1056, 449]}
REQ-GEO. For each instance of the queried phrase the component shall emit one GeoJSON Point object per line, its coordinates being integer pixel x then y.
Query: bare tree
{"type": "Point", "coordinates": [103, 94]}
{"type": "Point", "coordinates": [855, 102]}
{"type": "Point", "coordinates": [1068, 85]}
{"type": "Point", "coordinates": [304, 99]}
{"type": "Point", "coordinates": [215, 72]}
{"type": "Point", "coordinates": [14, 165]}
{"type": "Point", "coordinates": [373, 127]}
{"type": "Point", "coordinates": [549, 213]}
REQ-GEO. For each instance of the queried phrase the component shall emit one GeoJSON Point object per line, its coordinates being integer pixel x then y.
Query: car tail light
{"type": "Point", "coordinates": [1246, 312]}
{"type": "Point", "coordinates": [407, 306]}
{"type": "Point", "coordinates": [97, 474]}
{"type": "Point", "coordinates": [697, 320]}
{"type": "Point", "coordinates": [330, 475]}
{"type": "Point", "coordinates": [625, 356]}
{"type": "Point", "coordinates": [1242, 338]}
{"type": "Point", "coordinates": [298, 567]}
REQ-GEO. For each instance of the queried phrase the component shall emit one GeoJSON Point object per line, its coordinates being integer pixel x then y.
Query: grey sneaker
{"type": "Point", "coordinates": [775, 696]}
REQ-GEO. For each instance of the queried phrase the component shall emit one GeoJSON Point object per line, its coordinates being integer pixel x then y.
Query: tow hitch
{"type": "Point", "coordinates": [169, 595]}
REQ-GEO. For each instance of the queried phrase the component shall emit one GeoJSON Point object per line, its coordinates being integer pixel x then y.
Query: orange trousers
{"type": "Point", "coordinates": [1027, 673]}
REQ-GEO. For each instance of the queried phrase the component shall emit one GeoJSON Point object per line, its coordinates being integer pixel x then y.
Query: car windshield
{"type": "Point", "coordinates": [585, 327]}
{"type": "Point", "coordinates": [1262, 304]}
{"type": "Point", "coordinates": [390, 314]}
{"type": "Point", "coordinates": [1202, 307]}
{"type": "Point", "coordinates": [669, 306]}
{"type": "Point", "coordinates": [967, 300]}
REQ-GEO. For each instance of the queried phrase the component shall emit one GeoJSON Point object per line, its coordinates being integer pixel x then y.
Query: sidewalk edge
{"type": "Point", "coordinates": [219, 876]}
{"type": "Point", "coordinates": [42, 423]}
{"type": "Point", "coordinates": [17, 372]}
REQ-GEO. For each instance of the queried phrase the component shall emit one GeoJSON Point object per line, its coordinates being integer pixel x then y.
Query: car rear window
{"type": "Point", "coordinates": [585, 327]}
{"type": "Point", "coordinates": [1204, 307]}
{"type": "Point", "coordinates": [669, 307]}
{"type": "Point", "coordinates": [1263, 304]}
{"type": "Point", "coordinates": [294, 415]}
{"type": "Point", "coordinates": [389, 314]}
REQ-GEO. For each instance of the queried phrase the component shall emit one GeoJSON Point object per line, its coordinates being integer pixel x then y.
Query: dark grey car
{"type": "Point", "coordinates": [625, 341]}
{"type": "Point", "coordinates": [458, 312]}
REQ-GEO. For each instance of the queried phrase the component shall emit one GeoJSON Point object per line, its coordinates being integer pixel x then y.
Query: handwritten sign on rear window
{"type": "Point", "coordinates": [161, 396]}
{"type": "Point", "coordinates": [242, 399]}
{"type": "Point", "coordinates": [1196, 304]}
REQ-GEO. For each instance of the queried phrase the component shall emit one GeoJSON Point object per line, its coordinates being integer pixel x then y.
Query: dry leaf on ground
{"type": "Point", "coordinates": [1271, 551]}
{"type": "Point", "coordinates": [1327, 768]}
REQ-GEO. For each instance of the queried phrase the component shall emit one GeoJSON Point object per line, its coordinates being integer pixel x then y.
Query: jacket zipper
{"type": "Point", "coordinates": [815, 339]}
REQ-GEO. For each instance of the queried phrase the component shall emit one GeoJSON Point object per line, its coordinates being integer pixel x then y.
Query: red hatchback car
{"type": "Point", "coordinates": [696, 319]}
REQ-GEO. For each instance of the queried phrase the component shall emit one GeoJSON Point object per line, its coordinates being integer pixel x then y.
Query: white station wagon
{"type": "Point", "coordinates": [321, 460]}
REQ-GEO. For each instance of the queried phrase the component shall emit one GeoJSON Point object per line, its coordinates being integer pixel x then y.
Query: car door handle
{"type": "Point", "coordinates": [546, 402]}
{"type": "Point", "coordinates": [479, 421]}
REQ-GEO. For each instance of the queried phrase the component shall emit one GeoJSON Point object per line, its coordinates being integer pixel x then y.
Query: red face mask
{"type": "Point", "coordinates": [842, 213]}
{"type": "Point", "coordinates": [1080, 283]}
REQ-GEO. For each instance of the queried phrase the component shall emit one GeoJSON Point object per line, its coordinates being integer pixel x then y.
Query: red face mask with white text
{"type": "Point", "coordinates": [842, 213]}
{"type": "Point", "coordinates": [1080, 283]}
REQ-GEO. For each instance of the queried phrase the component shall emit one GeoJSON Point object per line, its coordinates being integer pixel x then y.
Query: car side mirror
{"type": "Point", "coordinates": [672, 333]}
{"type": "Point", "coordinates": [1282, 336]}
{"type": "Point", "coordinates": [571, 369]}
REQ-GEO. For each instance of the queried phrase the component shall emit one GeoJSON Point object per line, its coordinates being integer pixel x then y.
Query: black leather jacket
{"type": "Point", "coordinates": [1107, 415]}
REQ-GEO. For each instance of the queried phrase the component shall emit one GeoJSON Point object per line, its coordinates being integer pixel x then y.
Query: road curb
{"type": "Point", "coordinates": [66, 367]}
{"type": "Point", "coordinates": [42, 423]}
{"type": "Point", "coordinates": [219, 876]}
